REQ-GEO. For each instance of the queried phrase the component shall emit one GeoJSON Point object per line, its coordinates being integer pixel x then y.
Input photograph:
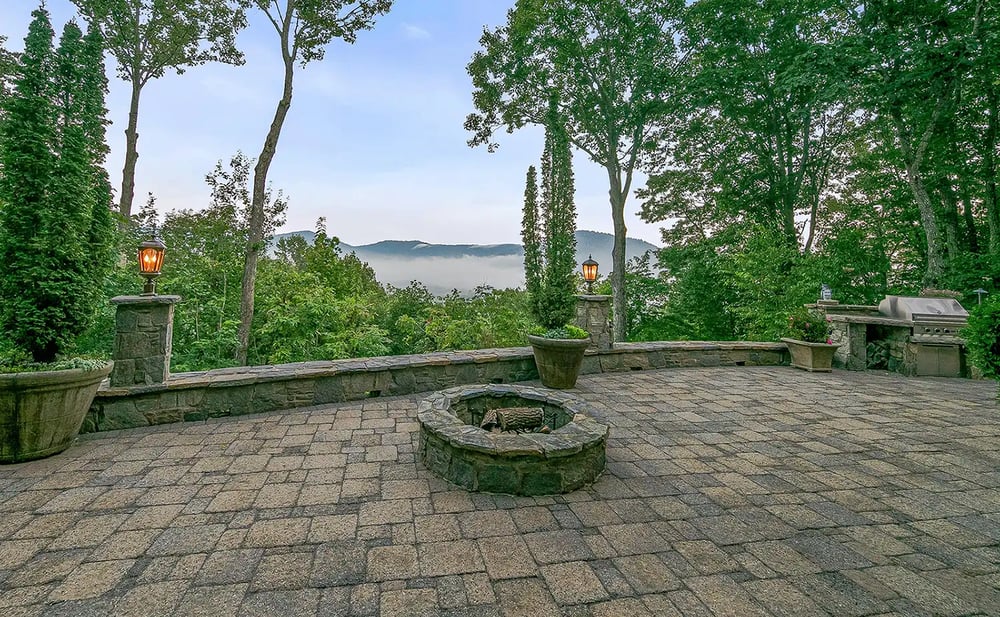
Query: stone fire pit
{"type": "Point", "coordinates": [453, 446]}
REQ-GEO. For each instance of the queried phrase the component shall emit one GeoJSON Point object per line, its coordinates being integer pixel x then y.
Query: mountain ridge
{"type": "Point", "coordinates": [589, 243]}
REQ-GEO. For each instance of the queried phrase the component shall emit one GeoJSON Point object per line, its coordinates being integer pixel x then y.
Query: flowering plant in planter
{"type": "Point", "coordinates": [809, 341]}
{"type": "Point", "coordinates": [810, 327]}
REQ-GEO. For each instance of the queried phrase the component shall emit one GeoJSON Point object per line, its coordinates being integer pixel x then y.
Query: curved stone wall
{"type": "Point", "coordinates": [188, 397]}
{"type": "Point", "coordinates": [568, 458]}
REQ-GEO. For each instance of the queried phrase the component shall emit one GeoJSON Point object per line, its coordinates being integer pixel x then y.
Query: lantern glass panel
{"type": "Point", "coordinates": [150, 260]}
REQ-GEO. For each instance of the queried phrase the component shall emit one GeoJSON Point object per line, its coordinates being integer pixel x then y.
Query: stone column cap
{"type": "Point", "coordinates": [145, 299]}
{"type": "Point", "coordinates": [593, 298]}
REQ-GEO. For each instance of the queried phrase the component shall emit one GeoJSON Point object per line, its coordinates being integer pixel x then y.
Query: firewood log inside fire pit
{"type": "Point", "coordinates": [515, 420]}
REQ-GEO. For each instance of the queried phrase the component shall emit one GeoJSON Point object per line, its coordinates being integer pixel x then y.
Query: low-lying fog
{"type": "Point", "coordinates": [442, 274]}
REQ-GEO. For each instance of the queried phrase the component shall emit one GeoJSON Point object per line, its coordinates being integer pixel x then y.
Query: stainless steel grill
{"type": "Point", "coordinates": [935, 323]}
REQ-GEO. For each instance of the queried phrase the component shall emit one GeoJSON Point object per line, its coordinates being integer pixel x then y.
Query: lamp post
{"type": "Point", "coordinates": [150, 262]}
{"type": "Point", "coordinates": [979, 292]}
{"type": "Point", "coordinates": [590, 273]}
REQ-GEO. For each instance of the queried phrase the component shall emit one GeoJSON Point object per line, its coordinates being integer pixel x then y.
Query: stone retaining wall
{"type": "Point", "coordinates": [189, 397]}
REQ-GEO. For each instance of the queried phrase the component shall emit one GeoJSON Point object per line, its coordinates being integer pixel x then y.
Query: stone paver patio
{"type": "Point", "coordinates": [729, 492]}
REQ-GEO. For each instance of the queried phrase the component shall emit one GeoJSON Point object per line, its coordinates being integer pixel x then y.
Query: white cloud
{"type": "Point", "coordinates": [415, 32]}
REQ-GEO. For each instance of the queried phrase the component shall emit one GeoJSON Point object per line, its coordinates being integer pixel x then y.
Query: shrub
{"type": "Point", "coordinates": [982, 336]}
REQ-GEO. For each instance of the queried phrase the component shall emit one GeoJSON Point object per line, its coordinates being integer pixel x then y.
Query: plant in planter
{"type": "Point", "coordinates": [548, 235]}
{"type": "Point", "coordinates": [56, 235]}
{"type": "Point", "coordinates": [809, 341]}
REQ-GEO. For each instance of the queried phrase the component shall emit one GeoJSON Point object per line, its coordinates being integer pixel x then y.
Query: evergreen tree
{"type": "Point", "coordinates": [8, 62]}
{"type": "Point", "coordinates": [50, 277]}
{"type": "Point", "coordinates": [94, 88]}
{"type": "Point", "coordinates": [531, 240]}
{"type": "Point", "coordinates": [27, 164]}
{"type": "Point", "coordinates": [550, 279]}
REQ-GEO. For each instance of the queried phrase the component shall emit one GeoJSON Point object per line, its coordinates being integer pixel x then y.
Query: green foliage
{"type": "Point", "coordinates": [53, 198]}
{"type": "Point", "coordinates": [808, 326]}
{"type": "Point", "coordinates": [820, 142]}
{"type": "Point", "coordinates": [489, 318]}
{"type": "Point", "coordinates": [647, 319]}
{"type": "Point", "coordinates": [204, 263]}
{"type": "Point", "coordinates": [313, 303]}
{"type": "Point", "coordinates": [569, 331]}
{"type": "Point", "coordinates": [19, 363]}
{"type": "Point", "coordinates": [150, 38]}
{"type": "Point", "coordinates": [532, 241]}
{"type": "Point", "coordinates": [982, 336]}
{"type": "Point", "coordinates": [8, 68]}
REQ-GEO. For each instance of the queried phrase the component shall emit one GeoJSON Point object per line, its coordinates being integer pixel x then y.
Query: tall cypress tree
{"type": "Point", "coordinates": [27, 164]}
{"type": "Point", "coordinates": [49, 187]}
{"type": "Point", "coordinates": [93, 89]}
{"type": "Point", "coordinates": [553, 252]}
{"type": "Point", "coordinates": [531, 240]}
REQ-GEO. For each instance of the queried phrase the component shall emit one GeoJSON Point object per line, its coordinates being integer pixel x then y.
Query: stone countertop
{"type": "Point", "coordinates": [871, 319]}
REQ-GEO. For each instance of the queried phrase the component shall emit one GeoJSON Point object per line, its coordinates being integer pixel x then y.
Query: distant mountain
{"type": "Point", "coordinates": [416, 250]}
{"type": "Point", "coordinates": [599, 244]}
{"type": "Point", "coordinates": [443, 267]}
{"type": "Point", "coordinates": [588, 243]}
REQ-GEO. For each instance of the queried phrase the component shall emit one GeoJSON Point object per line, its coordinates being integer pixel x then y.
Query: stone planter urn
{"type": "Point", "coordinates": [558, 360]}
{"type": "Point", "coordinates": [813, 357]}
{"type": "Point", "coordinates": [41, 413]}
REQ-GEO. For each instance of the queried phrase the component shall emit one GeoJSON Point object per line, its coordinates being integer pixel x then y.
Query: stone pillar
{"type": "Point", "coordinates": [592, 315]}
{"type": "Point", "coordinates": [144, 328]}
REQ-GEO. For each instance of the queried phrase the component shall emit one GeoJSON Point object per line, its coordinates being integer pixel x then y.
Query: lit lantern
{"type": "Point", "coordinates": [590, 273]}
{"type": "Point", "coordinates": [150, 262]}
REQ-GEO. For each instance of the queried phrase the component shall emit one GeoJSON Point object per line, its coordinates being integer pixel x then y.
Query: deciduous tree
{"type": "Point", "coordinates": [914, 58]}
{"type": "Point", "coordinates": [151, 37]}
{"type": "Point", "coordinates": [304, 28]}
{"type": "Point", "coordinates": [767, 112]}
{"type": "Point", "coordinates": [612, 64]}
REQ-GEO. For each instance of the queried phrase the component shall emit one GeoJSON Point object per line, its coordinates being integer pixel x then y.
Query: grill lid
{"type": "Point", "coordinates": [942, 310]}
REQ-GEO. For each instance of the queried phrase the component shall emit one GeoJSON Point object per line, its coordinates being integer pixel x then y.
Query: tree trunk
{"type": "Point", "coordinates": [953, 235]}
{"type": "Point", "coordinates": [969, 219]}
{"type": "Point", "coordinates": [618, 326]}
{"type": "Point", "coordinates": [990, 170]}
{"type": "Point", "coordinates": [255, 242]}
{"type": "Point", "coordinates": [131, 152]}
{"type": "Point", "coordinates": [912, 159]}
{"type": "Point", "coordinates": [935, 263]}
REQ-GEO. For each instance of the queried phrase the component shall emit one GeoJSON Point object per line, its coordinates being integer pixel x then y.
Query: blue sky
{"type": "Point", "coordinates": [374, 139]}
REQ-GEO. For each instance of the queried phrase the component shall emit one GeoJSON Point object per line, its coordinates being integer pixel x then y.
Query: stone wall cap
{"type": "Point", "coordinates": [624, 348]}
{"type": "Point", "coordinates": [145, 300]}
{"type": "Point", "coordinates": [594, 298]}
{"type": "Point", "coordinates": [318, 369]}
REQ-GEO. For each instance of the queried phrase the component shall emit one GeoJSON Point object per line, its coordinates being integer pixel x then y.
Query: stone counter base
{"type": "Point", "coordinates": [238, 391]}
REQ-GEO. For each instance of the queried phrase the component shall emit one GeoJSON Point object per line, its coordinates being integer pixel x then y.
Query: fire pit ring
{"type": "Point", "coordinates": [453, 446]}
